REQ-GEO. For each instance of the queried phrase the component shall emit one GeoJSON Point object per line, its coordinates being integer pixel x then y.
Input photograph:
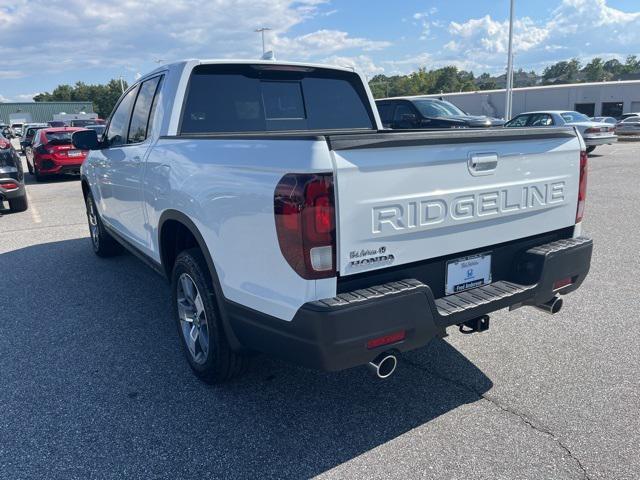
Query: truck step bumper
{"type": "Point", "coordinates": [332, 333]}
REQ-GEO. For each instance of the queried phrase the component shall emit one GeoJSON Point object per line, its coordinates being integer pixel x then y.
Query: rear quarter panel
{"type": "Point", "coordinates": [226, 187]}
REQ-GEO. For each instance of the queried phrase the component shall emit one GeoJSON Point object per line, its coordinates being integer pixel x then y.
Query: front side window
{"type": "Point", "coordinates": [119, 124]}
{"type": "Point", "coordinates": [403, 113]}
{"type": "Point", "coordinates": [259, 98]}
{"type": "Point", "coordinates": [519, 121]}
{"type": "Point", "coordinates": [142, 110]}
{"type": "Point", "coordinates": [540, 120]}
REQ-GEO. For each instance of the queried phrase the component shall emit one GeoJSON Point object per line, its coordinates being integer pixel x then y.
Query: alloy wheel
{"type": "Point", "coordinates": [193, 319]}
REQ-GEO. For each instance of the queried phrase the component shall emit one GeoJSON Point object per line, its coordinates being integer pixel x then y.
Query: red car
{"type": "Point", "coordinates": [52, 153]}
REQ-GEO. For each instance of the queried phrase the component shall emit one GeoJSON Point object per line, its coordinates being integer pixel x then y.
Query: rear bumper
{"type": "Point", "coordinates": [52, 166]}
{"type": "Point", "coordinates": [594, 141]}
{"type": "Point", "coordinates": [332, 334]}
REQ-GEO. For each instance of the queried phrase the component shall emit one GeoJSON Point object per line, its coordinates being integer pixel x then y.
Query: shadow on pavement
{"type": "Point", "coordinates": [93, 382]}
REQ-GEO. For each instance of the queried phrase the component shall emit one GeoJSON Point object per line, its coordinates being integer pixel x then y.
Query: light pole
{"type": "Point", "coordinates": [261, 31]}
{"type": "Point", "coordinates": [121, 84]}
{"type": "Point", "coordinates": [508, 103]}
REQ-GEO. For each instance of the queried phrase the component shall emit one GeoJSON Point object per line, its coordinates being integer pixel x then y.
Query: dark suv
{"type": "Point", "coordinates": [11, 177]}
{"type": "Point", "coordinates": [423, 112]}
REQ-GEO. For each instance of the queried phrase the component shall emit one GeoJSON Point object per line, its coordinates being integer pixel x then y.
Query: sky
{"type": "Point", "coordinates": [44, 43]}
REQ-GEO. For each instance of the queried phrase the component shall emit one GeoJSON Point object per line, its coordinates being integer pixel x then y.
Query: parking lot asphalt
{"type": "Point", "coordinates": [93, 383]}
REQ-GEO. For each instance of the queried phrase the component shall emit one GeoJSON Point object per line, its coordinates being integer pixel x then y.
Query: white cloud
{"type": "Point", "coordinates": [324, 42]}
{"type": "Point", "coordinates": [564, 35]}
{"type": "Point", "coordinates": [360, 63]}
{"type": "Point", "coordinates": [129, 33]}
{"type": "Point", "coordinates": [424, 20]}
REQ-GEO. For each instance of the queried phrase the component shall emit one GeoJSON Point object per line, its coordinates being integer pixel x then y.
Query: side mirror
{"type": "Point", "coordinates": [86, 140]}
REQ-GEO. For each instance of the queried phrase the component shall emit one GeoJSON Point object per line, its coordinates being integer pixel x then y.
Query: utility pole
{"type": "Point", "coordinates": [508, 103]}
{"type": "Point", "coordinates": [261, 31]}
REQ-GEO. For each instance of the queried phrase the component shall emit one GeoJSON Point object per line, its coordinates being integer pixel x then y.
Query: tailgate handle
{"type": "Point", "coordinates": [482, 163]}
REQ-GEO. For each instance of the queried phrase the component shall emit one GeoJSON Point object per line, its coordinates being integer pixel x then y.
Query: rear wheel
{"type": "Point", "coordinates": [590, 149]}
{"type": "Point", "coordinates": [19, 204]}
{"type": "Point", "coordinates": [198, 320]}
{"type": "Point", "coordinates": [104, 245]}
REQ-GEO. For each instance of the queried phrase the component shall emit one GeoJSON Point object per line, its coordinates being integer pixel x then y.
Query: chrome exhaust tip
{"type": "Point", "coordinates": [383, 365]}
{"type": "Point", "coordinates": [551, 307]}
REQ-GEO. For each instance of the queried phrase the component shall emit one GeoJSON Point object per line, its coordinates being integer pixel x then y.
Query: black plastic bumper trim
{"type": "Point", "coordinates": [332, 333]}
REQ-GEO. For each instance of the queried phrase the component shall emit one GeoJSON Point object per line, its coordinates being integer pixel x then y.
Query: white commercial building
{"type": "Point", "coordinates": [607, 99]}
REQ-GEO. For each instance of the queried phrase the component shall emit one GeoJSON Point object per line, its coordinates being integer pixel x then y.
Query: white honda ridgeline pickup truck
{"type": "Point", "coordinates": [289, 222]}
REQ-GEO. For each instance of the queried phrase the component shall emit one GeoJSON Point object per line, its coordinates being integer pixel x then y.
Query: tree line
{"type": "Point", "coordinates": [421, 82]}
{"type": "Point", "coordinates": [452, 79]}
{"type": "Point", "coordinates": [104, 97]}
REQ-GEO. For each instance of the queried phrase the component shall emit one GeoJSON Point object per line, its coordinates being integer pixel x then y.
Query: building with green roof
{"type": "Point", "coordinates": [43, 111]}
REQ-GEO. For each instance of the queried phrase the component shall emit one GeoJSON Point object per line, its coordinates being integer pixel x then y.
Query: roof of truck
{"type": "Point", "coordinates": [249, 61]}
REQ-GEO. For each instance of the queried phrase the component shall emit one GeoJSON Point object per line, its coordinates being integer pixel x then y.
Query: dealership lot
{"type": "Point", "coordinates": [95, 385]}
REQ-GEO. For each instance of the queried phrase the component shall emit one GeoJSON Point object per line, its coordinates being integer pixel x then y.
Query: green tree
{"type": "Point", "coordinates": [594, 71]}
{"type": "Point", "coordinates": [561, 72]}
{"type": "Point", "coordinates": [632, 64]}
{"type": "Point", "coordinates": [103, 97]}
{"type": "Point", "coordinates": [614, 68]}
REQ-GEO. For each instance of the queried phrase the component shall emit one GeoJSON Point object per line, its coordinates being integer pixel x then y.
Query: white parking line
{"type": "Point", "coordinates": [35, 215]}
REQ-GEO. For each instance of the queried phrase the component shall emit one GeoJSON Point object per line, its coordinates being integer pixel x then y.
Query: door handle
{"type": "Point", "coordinates": [482, 163]}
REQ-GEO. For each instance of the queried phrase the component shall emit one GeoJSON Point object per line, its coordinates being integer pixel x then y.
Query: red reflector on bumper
{"type": "Point", "coordinates": [9, 186]}
{"type": "Point", "coordinates": [558, 284]}
{"type": "Point", "coordinates": [386, 339]}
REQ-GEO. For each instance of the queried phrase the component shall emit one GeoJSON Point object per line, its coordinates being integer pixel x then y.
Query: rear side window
{"type": "Point", "coordinates": [246, 98]}
{"type": "Point", "coordinates": [142, 110]}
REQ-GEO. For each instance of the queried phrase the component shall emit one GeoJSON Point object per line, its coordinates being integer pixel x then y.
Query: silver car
{"type": "Point", "coordinates": [629, 126]}
{"type": "Point", "coordinates": [593, 133]}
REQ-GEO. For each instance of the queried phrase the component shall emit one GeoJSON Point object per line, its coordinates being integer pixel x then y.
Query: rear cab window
{"type": "Point", "coordinates": [268, 98]}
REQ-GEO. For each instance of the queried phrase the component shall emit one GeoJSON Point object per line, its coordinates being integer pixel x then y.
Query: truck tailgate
{"type": "Point", "coordinates": [403, 197]}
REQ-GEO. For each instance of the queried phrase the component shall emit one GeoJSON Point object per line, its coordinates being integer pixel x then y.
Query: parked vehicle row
{"type": "Point", "coordinates": [419, 112]}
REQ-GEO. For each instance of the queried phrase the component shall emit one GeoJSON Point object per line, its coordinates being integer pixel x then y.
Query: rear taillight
{"type": "Point", "coordinates": [304, 210]}
{"type": "Point", "coordinates": [9, 186]}
{"type": "Point", "coordinates": [582, 186]}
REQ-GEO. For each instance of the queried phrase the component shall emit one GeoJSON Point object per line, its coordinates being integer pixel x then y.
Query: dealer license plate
{"type": "Point", "coordinates": [468, 272]}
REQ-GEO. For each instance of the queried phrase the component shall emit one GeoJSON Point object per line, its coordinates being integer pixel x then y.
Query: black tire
{"type": "Point", "coordinates": [19, 204]}
{"type": "Point", "coordinates": [29, 166]}
{"type": "Point", "coordinates": [220, 363]}
{"type": "Point", "coordinates": [36, 173]}
{"type": "Point", "coordinates": [590, 149]}
{"type": "Point", "coordinates": [103, 244]}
